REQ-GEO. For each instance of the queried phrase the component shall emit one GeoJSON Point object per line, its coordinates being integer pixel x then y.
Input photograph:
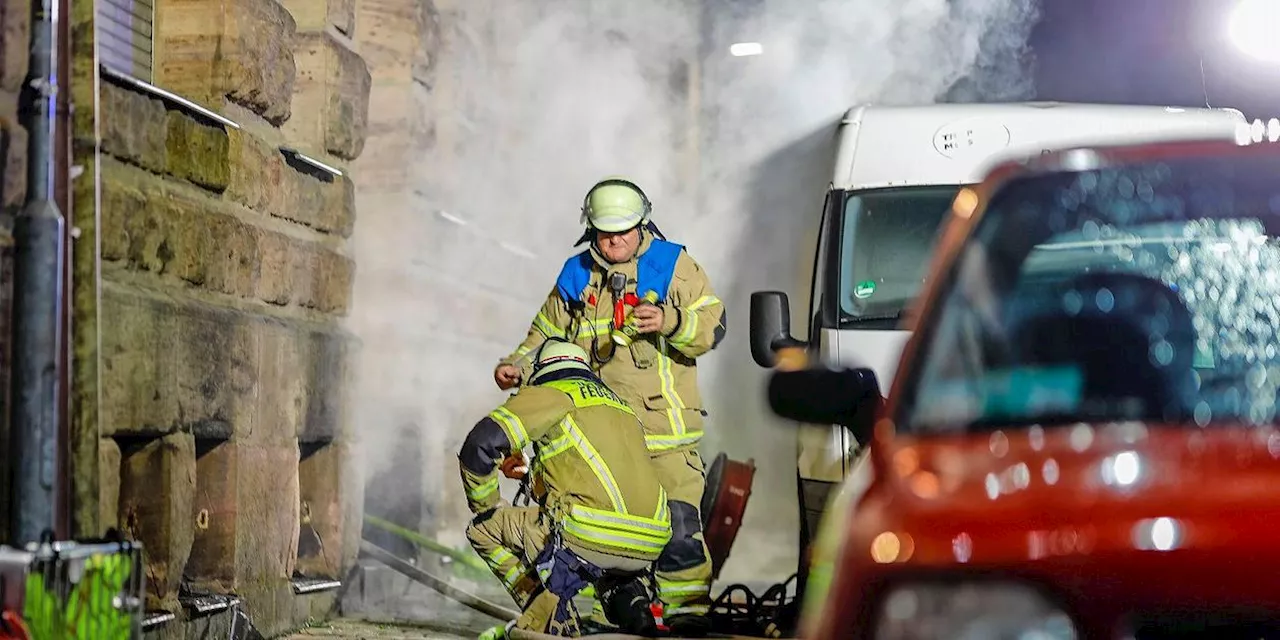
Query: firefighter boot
{"type": "Point", "coordinates": [627, 604]}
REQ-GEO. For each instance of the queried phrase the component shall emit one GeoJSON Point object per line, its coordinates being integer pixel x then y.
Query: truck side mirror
{"type": "Point", "coordinates": [848, 397]}
{"type": "Point", "coordinates": [770, 326]}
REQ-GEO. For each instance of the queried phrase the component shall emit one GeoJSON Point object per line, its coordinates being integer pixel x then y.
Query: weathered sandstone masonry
{"type": "Point", "coordinates": [212, 376]}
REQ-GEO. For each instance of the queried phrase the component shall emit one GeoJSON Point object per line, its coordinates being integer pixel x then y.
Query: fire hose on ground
{"type": "Point", "coordinates": [439, 584]}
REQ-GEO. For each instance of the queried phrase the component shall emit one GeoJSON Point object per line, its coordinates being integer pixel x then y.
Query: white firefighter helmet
{"type": "Point", "coordinates": [615, 204]}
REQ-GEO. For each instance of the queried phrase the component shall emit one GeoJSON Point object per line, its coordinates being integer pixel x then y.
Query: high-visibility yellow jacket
{"type": "Point", "coordinates": [658, 374]}
{"type": "Point", "coordinates": [601, 489]}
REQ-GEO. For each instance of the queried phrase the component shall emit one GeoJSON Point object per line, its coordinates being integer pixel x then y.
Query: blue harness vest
{"type": "Point", "coordinates": [654, 271]}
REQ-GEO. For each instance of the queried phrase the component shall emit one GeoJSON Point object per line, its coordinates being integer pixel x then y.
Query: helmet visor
{"type": "Point", "coordinates": [614, 219]}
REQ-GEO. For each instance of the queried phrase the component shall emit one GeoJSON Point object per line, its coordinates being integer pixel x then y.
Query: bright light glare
{"type": "Point", "coordinates": [1127, 468]}
{"type": "Point", "coordinates": [1157, 534]}
{"type": "Point", "coordinates": [1252, 27]}
{"type": "Point", "coordinates": [1164, 534]}
{"type": "Point", "coordinates": [746, 49]}
{"type": "Point", "coordinates": [1123, 469]}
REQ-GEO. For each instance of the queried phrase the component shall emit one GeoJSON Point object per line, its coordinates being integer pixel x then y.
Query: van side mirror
{"type": "Point", "coordinates": [770, 326]}
{"type": "Point", "coordinates": [848, 397]}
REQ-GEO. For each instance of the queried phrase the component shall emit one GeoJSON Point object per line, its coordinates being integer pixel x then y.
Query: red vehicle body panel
{"type": "Point", "coordinates": [1056, 523]}
{"type": "Point", "coordinates": [1039, 505]}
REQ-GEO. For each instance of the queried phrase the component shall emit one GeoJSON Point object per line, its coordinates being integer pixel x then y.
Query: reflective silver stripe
{"type": "Point", "coordinates": [612, 539]}
{"type": "Point", "coordinates": [688, 331]}
{"type": "Point", "coordinates": [543, 324]}
{"type": "Point", "coordinates": [661, 442]}
{"type": "Point", "coordinates": [597, 465]}
{"type": "Point", "coordinates": [511, 424]}
{"type": "Point", "coordinates": [593, 328]}
{"type": "Point", "coordinates": [704, 301]}
{"type": "Point", "coordinates": [663, 512]}
{"type": "Point", "coordinates": [668, 380]}
{"type": "Point", "coordinates": [556, 447]}
{"type": "Point", "coordinates": [620, 520]}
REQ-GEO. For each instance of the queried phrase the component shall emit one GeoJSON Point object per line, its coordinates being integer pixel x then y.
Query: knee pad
{"type": "Point", "coordinates": [685, 550]}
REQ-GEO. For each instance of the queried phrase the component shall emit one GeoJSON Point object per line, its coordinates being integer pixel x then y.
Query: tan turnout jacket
{"type": "Point", "coordinates": [658, 374]}
{"type": "Point", "coordinates": [601, 488]}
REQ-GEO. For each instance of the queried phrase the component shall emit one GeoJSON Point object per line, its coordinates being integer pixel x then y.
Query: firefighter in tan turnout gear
{"type": "Point", "coordinates": [629, 274]}
{"type": "Point", "coordinates": [602, 516]}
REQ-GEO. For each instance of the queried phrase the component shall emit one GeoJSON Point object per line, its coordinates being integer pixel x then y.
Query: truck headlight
{"type": "Point", "coordinates": [970, 611]}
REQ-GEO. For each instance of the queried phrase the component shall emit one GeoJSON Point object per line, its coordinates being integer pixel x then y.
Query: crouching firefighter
{"type": "Point", "coordinates": [602, 516]}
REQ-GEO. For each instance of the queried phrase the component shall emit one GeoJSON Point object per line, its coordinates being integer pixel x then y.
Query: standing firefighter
{"type": "Point", "coordinates": [645, 312]}
{"type": "Point", "coordinates": [602, 516]}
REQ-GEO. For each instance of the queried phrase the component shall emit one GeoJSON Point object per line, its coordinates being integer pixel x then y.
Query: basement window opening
{"type": "Point", "coordinates": [319, 516]}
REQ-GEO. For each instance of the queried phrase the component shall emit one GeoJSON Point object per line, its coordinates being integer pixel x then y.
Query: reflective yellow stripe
{"type": "Point", "coordinates": [512, 426]}
{"type": "Point", "coordinates": [480, 492]}
{"type": "Point", "coordinates": [690, 587]}
{"type": "Point", "coordinates": [499, 556]}
{"type": "Point", "coordinates": [674, 403]}
{"type": "Point", "coordinates": [542, 323]}
{"type": "Point", "coordinates": [689, 324]}
{"type": "Point", "coordinates": [614, 538]}
{"type": "Point", "coordinates": [704, 301]}
{"type": "Point", "coordinates": [691, 609]}
{"type": "Point", "coordinates": [523, 350]}
{"type": "Point", "coordinates": [663, 512]}
{"type": "Point", "coordinates": [688, 330]}
{"type": "Point", "coordinates": [554, 448]}
{"type": "Point", "coordinates": [622, 521]}
{"type": "Point", "coordinates": [592, 457]}
{"type": "Point", "coordinates": [662, 443]}
{"type": "Point", "coordinates": [592, 328]}
{"type": "Point", "coordinates": [622, 530]}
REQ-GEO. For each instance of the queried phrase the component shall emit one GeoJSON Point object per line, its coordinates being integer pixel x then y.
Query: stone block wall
{"type": "Point", "coordinates": [217, 376]}
{"type": "Point", "coordinates": [15, 19]}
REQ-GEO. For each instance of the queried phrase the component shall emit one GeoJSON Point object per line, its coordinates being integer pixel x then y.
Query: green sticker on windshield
{"type": "Point", "coordinates": [864, 289]}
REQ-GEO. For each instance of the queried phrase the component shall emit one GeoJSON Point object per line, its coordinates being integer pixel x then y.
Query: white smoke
{"type": "Point", "coordinates": [532, 101]}
{"type": "Point", "coordinates": [769, 163]}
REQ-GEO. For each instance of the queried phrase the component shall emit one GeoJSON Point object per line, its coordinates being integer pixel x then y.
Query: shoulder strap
{"type": "Point", "coordinates": [656, 267]}
{"type": "Point", "coordinates": [574, 277]}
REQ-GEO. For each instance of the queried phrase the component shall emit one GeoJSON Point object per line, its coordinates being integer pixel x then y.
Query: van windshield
{"type": "Point", "coordinates": [886, 246]}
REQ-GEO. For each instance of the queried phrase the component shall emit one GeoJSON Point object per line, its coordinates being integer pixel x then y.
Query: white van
{"type": "Point", "coordinates": [896, 172]}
